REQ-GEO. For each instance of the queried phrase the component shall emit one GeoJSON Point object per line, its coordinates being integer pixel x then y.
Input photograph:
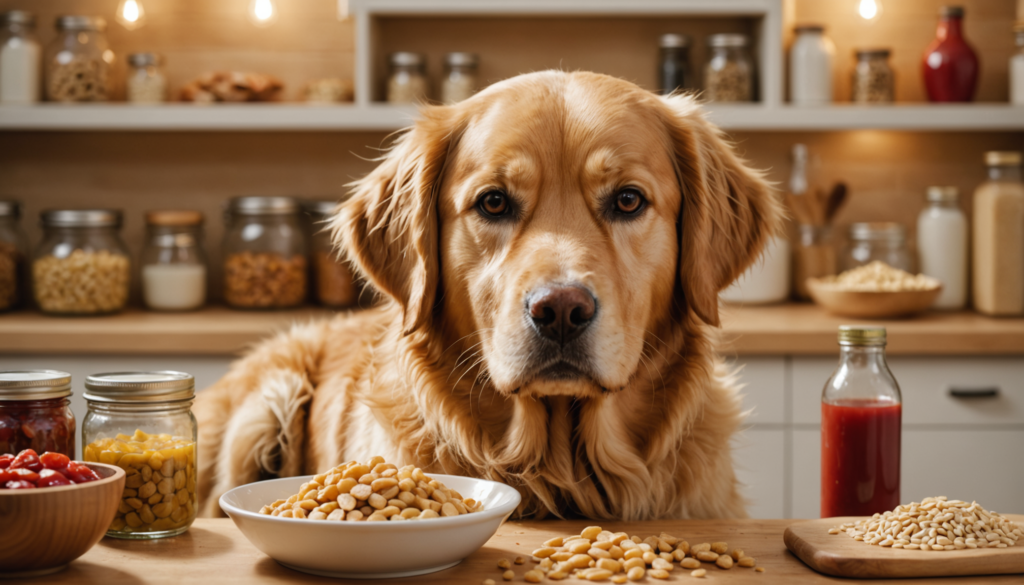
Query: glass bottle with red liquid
{"type": "Point", "coordinates": [861, 416]}
{"type": "Point", "coordinates": [950, 64]}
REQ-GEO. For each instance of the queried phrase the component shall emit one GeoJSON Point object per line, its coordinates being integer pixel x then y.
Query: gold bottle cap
{"type": "Point", "coordinates": [861, 335]}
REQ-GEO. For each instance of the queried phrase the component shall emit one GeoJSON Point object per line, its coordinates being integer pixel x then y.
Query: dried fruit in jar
{"type": "Point", "coordinates": [40, 425]}
{"type": "Point", "coordinates": [160, 487]}
{"type": "Point", "coordinates": [29, 470]}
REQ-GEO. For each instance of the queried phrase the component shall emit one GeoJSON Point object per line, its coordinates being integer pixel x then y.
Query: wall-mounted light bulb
{"type": "Point", "coordinates": [869, 9]}
{"type": "Point", "coordinates": [262, 12]}
{"type": "Point", "coordinates": [130, 14]}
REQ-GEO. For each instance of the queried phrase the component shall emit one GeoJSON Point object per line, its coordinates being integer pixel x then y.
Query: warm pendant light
{"type": "Point", "coordinates": [262, 12]}
{"type": "Point", "coordinates": [130, 14]}
{"type": "Point", "coordinates": [869, 9]}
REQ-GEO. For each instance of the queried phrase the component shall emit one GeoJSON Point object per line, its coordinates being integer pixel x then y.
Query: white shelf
{"type": "Point", "coordinates": [350, 118]}
{"type": "Point", "coordinates": [560, 7]}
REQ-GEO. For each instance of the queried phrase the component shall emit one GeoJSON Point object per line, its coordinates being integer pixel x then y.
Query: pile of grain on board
{"type": "Point", "coordinates": [373, 491]}
{"type": "Point", "coordinates": [935, 524]}
{"type": "Point", "coordinates": [600, 555]}
{"type": "Point", "coordinates": [879, 277]}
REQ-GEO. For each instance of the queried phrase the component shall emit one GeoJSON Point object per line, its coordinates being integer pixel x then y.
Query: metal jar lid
{"type": "Point", "coordinates": [407, 59]}
{"type": "Point", "coordinates": [174, 217]}
{"type": "Point", "coordinates": [10, 208]}
{"type": "Point", "coordinates": [18, 17]}
{"type": "Point", "coordinates": [144, 59]}
{"type": "Point", "coordinates": [861, 335]}
{"type": "Point", "coordinates": [1002, 158]}
{"type": "Point", "coordinates": [674, 41]}
{"type": "Point", "coordinates": [872, 53]}
{"type": "Point", "coordinates": [320, 207]}
{"type": "Point", "coordinates": [263, 205]}
{"type": "Point", "coordinates": [77, 22]}
{"type": "Point", "coordinates": [34, 385]}
{"type": "Point", "coordinates": [462, 59]}
{"type": "Point", "coordinates": [942, 194]}
{"type": "Point", "coordinates": [878, 231]}
{"type": "Point", "coordinates": [81, 218]}
{"type": "Point", "coordinates": [140, 387]}
{"type": "Point", "coordinates": [809, 28]}
{"type": "Point", "coordinates": [727, 40]}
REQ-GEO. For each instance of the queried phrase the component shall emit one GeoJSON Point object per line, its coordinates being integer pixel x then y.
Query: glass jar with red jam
{"type": "Point", "coordinates": [35, 412]}
{"type": "Point", "coordinates": [861, 416]}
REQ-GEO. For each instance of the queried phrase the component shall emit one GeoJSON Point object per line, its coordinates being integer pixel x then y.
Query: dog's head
{"type": "Point", "coordinates": [553, 222]}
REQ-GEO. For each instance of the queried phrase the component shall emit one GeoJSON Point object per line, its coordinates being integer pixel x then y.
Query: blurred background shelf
{"type": "Point", "coordinates": [794, 329]}
{"type": "Point", "coordinates": [341, 118]}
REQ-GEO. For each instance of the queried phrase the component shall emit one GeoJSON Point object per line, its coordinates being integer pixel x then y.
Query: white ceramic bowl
{"type": "Point", "coordinates": [367, 550]}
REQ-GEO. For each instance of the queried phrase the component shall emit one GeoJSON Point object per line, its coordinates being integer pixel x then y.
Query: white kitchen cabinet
{"type": "Point", "coordinates": [759, 459]}
{"type": "Point", "coordinates": [764, 388]}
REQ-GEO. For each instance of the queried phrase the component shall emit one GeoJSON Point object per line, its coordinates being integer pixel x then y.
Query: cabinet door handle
{"type": "Point", "coordinates": [990, 392]}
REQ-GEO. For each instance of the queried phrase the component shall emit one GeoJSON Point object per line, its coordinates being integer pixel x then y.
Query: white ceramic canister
{"type": "Point", "coordinates": [766, 281]}
{"type": "Point", "coordinates": [810, 67]}
{"type": "Point", "coordinates": [942, 246]}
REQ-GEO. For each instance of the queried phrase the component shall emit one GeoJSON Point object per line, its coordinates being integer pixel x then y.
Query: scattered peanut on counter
{"type": "Point", "coordinates": [935, 524]}
{"type": "Point", "coordinates": [373, 491]}
{"type": "Point", "coordinates": [600, 555]}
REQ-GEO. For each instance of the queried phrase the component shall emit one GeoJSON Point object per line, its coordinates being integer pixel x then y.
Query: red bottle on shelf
{"type": "Point", "coordinates": [861, 413]}
{"type": "Point", "coordinates": [950, 64]}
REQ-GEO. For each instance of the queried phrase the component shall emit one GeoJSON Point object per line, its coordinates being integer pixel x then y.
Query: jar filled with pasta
{"type": "Point", "coordinates": [81, 267]}
{"type": "Point", "coordinates": [78, 61]}
{"type": "Point", "coordinates": [35, 412]}
{"type": "Point", "coordinates": [729, 73]}
{"type": "Point", "coordinates": [143, 423]}
{"type": "Point", "coordinates": [264, 254]}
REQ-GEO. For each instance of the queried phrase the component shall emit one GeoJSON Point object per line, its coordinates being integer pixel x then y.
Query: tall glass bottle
{"type": "Point", "coordinates": [950, 64]}
{"type": "Point", "coordinates": [861, 416]}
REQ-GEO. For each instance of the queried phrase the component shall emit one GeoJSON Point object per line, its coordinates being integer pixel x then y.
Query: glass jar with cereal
{"type": "Point", "coordinates": [729, 73]}
{"type": "Point", "coordinates": [264, 254]}
{"type": "Point", "coordinates": [81, 267]}
{"type": "Point", "coordinates": [143, 423]}
{"type": "Point", "coordinates": [78, 61]}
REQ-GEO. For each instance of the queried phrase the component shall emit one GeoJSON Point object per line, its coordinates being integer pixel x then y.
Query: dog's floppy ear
{"type": "Point", "coordinates": [728, 211]}
{"type": "Point", "coordinates": [388, 228]}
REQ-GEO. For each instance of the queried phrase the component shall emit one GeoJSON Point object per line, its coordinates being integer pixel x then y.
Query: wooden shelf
{"type": "Point", "coordinates": [350, 118]}
{"type": "Point", "coordinates": [775, 330]}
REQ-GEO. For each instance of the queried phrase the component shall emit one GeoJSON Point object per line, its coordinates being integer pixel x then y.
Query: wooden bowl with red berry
{"type": "Point", "coordinates": [52, 510]}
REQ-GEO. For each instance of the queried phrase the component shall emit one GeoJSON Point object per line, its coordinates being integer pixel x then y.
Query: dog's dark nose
{"type": "Point", "coordinates": [561, 313]}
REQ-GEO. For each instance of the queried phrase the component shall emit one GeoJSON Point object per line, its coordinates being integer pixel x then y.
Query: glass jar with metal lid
{"type": "Point", "coordinates": [407, 82]}
{"type": "Point", "coordinates": [460, 79]}
{"type": "Point", "coordinates": [147, 83]}
{"type": "Point", "coordinates": [81, 267]}
{"type": "Point", "coordinates": [729, 72]}
{"type": "Point", "coordinates": [333, 282]}
{"type": "Point", "coordinates": [174, 261]}
{"type": "Point", "coordinates": [674, 69]}
{"type": "Point", "coordinates": [78, 61]}
{"type": "Point", "coordinates": [13, 250]}
{"type": "Point", "coordinates": [873, 80]}
{"type": "Point", "coordinates": [264, 253]}
{"type": "Point", "coordinates": [19, 58]}
{"type": "Point", "coordinates": [884, 241]}
{"type": "Point", "coordinates": [35, 412]}
{"type": "Point", "coordinates": [143, 423]}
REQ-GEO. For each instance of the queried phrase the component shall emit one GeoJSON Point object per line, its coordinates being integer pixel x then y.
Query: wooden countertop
{"type": "Point", "coordinates": [772, 330]}
{"type": "Point", "coordinates": [214, 551]}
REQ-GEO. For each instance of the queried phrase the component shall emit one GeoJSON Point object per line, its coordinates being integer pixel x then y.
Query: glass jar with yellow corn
{"type": "Point", "coordinates": [143, 423]}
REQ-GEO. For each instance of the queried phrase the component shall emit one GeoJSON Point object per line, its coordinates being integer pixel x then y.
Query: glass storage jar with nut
{"type": "Point", "coordinates": [147, 83]}
{"type": "Point", "coordinates": [81, 267]}
{"type": "Point", "coordinates": [264, 254]}
{"type": "Point", "coordinates": [460, 78]}
{"type": "Point", "coordinates": [729, 73]}
{"type": "Point", "coordinates": [174, 261]}
{"type": "Point", "coordinates": [35, 412]}
{"type": "Point", "coordinates": [13, 250]}
{"type": "Point", "coordinates": [78, 61]}
{"type": "Point", "coordinates": [407, 83]}
{"type": "Point", "coordinates": [143, 423]}
{"type": "Point", "coordinates": [885, 241]}
{"type": "Point", "coordinates": [333, 282]}
{"type": "Point", "coordinates": [873, 79]}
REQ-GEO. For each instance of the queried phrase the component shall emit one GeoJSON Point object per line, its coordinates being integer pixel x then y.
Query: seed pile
{"type": "Point", "coordinates": [600, 555]}
{"type": "Point", "coordinates": [373, 491]}
{"type": "Point", "coordinates": [935, 524]}
{"type": "Point", "coordinates": [82, 282]}
{"type": "Point", "coordinates": [880, 277]}
{"type": "Point", "coordinates": [729, 82]}
{"type": "Point", "coordinates": [264, 279]}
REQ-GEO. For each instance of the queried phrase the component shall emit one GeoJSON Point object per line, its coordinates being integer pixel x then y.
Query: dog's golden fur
{"type": "Point", "coordinates": [444, 374]}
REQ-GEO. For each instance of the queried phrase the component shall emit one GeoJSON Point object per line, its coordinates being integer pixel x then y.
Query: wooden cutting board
{"type": "Point", "coordinates": [841, 556]}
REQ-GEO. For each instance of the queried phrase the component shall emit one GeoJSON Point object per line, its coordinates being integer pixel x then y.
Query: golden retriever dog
{"type": "Point", "coordinates": [550, 252]}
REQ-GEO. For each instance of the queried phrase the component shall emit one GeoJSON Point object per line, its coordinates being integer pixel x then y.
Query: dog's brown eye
{"type": "Point", "coordinates": [629, 201]}
{"type": "Point", "coordinates": [493, 203]}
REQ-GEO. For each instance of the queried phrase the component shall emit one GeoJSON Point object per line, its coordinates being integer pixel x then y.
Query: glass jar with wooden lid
{"type": "Point", "coordinates": [174, 261]}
